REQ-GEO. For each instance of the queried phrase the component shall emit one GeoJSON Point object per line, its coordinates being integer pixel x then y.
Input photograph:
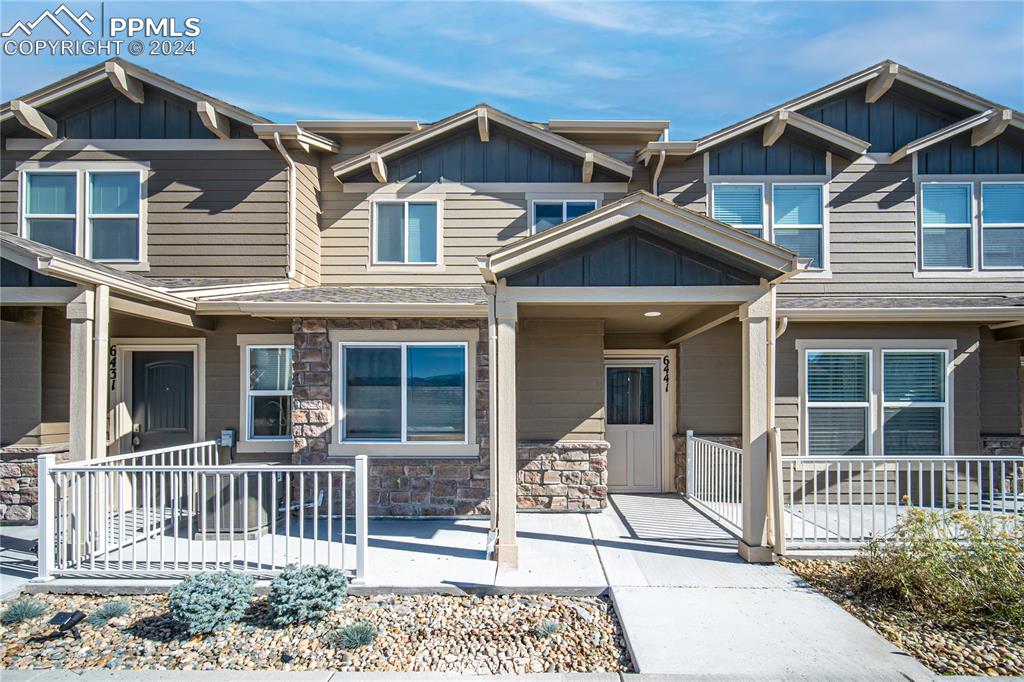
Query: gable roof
{"type": "Point", "coordinates": [771, 261]}
{"type": "Point", "coordinates": [67, 266]}
{"type": "Point", "coordinates": [481, 115]}
{"type": "Point", "coordinates": [879, 78]}
{"type": "Point", "coordinates": [123, 76]}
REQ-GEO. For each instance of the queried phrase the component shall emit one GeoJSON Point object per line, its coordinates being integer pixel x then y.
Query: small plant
{"type": "Point", "coordinates": [354, 635]}
{"type": "Point", "coordinates": [549, 627]}
{"type": "Point", "coordinates": [109, 611]}
{"type": "Point", "coordinates": [956, 566]}
{"type": "Point", "coordinates": [209, 602]}
{"type": "Point", "coordinates": [22, 610]}
{"type": "Point", "coordinates": [308, 593]}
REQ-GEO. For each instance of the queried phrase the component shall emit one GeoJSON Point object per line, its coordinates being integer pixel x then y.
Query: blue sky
{"type": "Point", "coordinates": [702, 65]}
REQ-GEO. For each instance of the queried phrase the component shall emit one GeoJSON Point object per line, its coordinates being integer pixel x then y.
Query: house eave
{"type": "Point", "coordinates": [937, 314]}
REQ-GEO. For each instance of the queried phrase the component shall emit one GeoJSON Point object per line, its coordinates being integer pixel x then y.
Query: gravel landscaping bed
{"type": "Point", "coordinates": [945, 649]}
{"type": "Point", "coordinates": [492, 634]}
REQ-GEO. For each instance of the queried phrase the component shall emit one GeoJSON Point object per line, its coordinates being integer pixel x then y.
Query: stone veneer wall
{"type": "Point", "coordinates": [679, 440]}
{"type": "Point", "coordinates": [562, 475]}
{"type": "Point", "coordinates": [19, 485]}
{"type": "Point", "coordinates": [397, 487]}
{"type": "Point", "coordinates": [1002, 446]}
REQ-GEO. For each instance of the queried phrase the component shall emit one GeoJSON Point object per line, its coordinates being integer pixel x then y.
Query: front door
{"type": "Point", "coordinates": [632, 416]}
{"type": "Point", "coordinates": [162, 399]}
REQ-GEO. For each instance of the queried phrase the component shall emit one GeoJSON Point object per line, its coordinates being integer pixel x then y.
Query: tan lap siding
{"type": "Point", "coordinates": [20, 369]}
{"type": "Point", "coordinates": [710, 381]}
{"type": "Point", "coordinates": [1001, 385]}
{"type": "Point", "coordinates": [560, 379]}
{"type": "Point", "coordinates": [682, 182]}
{"type": "Point", "coordinates": [56, 375]}
{"type": "Point", "coordinates": [211, 213]}
{"type": "Point", "coordinates": [307, 220]}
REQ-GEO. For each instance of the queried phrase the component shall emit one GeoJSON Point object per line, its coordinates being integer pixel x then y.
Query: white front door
{"type": "Point", "coordinates": [632, 426]}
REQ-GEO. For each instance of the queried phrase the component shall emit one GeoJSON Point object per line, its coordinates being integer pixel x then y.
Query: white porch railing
{"type": "Point", "coordinates": [713, 480]}
{"type": "Point", "coordinates": [177, 511]}
{"type": "Point", "coordinates": [842, 502]}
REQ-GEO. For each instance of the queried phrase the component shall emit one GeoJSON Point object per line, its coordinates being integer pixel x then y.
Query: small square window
{"type": "Point", "coordinates": [405, 232]}
{"type": "Point", "coordinates": [739, 205]}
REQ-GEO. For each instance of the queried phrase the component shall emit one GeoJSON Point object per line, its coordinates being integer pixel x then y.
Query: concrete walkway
{"type": "Point", "coordinates": [689, 604]}
{"type": "Point", "coordinates": [17, 558]}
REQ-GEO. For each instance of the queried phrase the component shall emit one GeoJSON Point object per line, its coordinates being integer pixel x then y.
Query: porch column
{"type": "Point", "coordinates": [506, 551]}
{"type": "Point", "coordinates": [80, 312]}
{"type": "Point", "coordinates": [100, 363]}
{"type": "Point", "coordinates": [758, 319]}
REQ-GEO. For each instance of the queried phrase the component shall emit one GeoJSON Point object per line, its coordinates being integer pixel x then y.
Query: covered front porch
{"type": "Point", "coordinates": [636, 277]}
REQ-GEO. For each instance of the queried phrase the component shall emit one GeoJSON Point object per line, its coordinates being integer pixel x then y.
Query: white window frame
{"type": "Point", "coordinates": [25, 216]}
{"type": "Point", "coordinates": [969, 227]}
{"type": "Point", "coordinates": [866, 404]}
{"type": "Point", "coordinates": [90, 216]}
{"type": "Point", "coordinates": [250, 393]}
{"type": "Point", "coordinates": [997, 226]}
{"type": "Point", "coordinates": [764, 226]}
{"type": "Point", "coordinates": [405, 263]}
{"type": "Point", "coordinates": [260, 444]}
{"type": "Point", "coordinates": [876, 347]}
{"type": "Point", "coordinates": [403, 347]}
{"type": "Point", "coordinates": [945, 390]}
{"type": "Point", "coordinates": [822, 227]}
{"type": "Point", "coordinates": [81, 170]}
{"type": "Point", "coordinates": [565, 207]}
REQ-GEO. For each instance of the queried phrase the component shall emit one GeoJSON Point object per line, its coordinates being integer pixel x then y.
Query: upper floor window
{"type": "Point", "coordinates": [798, 220]}
{"type": "Point", "coordinates": [946, 225]}
{"type": "Point", "coordinates": [739, 205]}
{"type": "Point", "coordinates": [1002, 224]}
{"type": "Point", "coordinates": [406, 232]}
{"type": "Point", "coordinates": [797, 211]}
{"type": "Point", "coordinates": [93, 212]}
{"type": "Point", "coordinates": [548, 214]}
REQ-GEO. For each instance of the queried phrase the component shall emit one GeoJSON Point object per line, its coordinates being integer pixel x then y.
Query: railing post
{"type": "Point", "coordinates": [46, 509]}
{"type": "Point", "coordinates": [361, 509]}
{"type": "Point", "coordinates": [689, 462]}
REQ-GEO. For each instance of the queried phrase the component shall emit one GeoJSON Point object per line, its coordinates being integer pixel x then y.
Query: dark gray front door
{"type": "Point", "coordinates": [162, 399]}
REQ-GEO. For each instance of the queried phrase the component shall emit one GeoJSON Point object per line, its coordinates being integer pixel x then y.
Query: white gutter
{"type": "Point", "coordinates": [291, 203]}
{"type": "Point", "coordinates": [63, 269]}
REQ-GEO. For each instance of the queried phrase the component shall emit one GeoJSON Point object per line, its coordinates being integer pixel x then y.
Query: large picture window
{"type": "Point", "coordinates": [269, 392]}
{"type": "Point", "coordinates": [405, 232]}
{"type": "Point", "coordinates": [404, 392]}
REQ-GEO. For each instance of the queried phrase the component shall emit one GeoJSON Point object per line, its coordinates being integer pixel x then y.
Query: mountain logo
{"type": "Point", "coordinates": [53, 17]}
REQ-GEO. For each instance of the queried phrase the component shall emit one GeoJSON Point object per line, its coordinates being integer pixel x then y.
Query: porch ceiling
{"type": "Point", "coordinates": [675, 319]}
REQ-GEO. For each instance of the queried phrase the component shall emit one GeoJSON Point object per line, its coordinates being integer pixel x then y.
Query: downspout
{"type": "Point", "coordinates": [292, 175]}
{"type": "Point", "coordinates": [657, 172]}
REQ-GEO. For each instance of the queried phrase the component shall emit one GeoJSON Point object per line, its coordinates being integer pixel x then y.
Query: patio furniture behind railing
{"type": "Point", "coordinates": [713, 480]}
{"type": "Point", "coordinates": [177, 511]}
{"type": "Point", "coordinates": [842, 502]}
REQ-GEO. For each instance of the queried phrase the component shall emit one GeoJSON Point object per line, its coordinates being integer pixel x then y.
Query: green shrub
{"type": "Point", "coordinates": [548, 627]}
{"type": "Point", "coordinates": [956, 566]}
{"type": "Point", "coordinates": [300, 594]}
{"type": "Point", "coordinates": [209, 602]}
{"type": "Point", "coordinates": [24, 609]}
{"type": "Point", "coordinates": [354, 635]}
{"type": "Point", "coordinates": [109, 611]}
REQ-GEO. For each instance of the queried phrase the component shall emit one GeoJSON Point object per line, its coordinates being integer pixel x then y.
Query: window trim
{"type": "Point", "coordinates": [867, 404]}
{"type": "Point", "coordinates": [997, 226]}
{"type": "Point", "coordinates": [564, 201]}
{"type": "Point", "coordinates": [90, 216]}
{"type": "Point", "coordinates": [403, 265]}
{"type": "Point", "coordinates": [969, 226]}
{"type": "Point", "coordinates": [261, 444]}
{"type": "Point", "coordinates": [467, 449]}
{"type": "Point", "coordinates": [81, 170]}
{"type": "Point", "coordinates": [821, 227]}
{"type": "Point", "coordinates": [945, 405]}
{"type": "Point", "coordinates": [876, 347]}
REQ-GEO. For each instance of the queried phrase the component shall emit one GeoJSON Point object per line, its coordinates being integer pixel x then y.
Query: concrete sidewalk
{"type": "Point", "coordinates": [17, 558]}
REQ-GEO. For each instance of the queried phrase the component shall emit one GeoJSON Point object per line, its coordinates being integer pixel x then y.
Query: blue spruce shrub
{"type": "Point", "coordinates": [209, 602]}
{"type": "Point", "coordinates": [24, 609]}
{"type": "Point", "coordinates": [300, 594]}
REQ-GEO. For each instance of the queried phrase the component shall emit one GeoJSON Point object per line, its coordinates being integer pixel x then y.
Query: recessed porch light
{"type": "Point", "coordinates": [652, 313]}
